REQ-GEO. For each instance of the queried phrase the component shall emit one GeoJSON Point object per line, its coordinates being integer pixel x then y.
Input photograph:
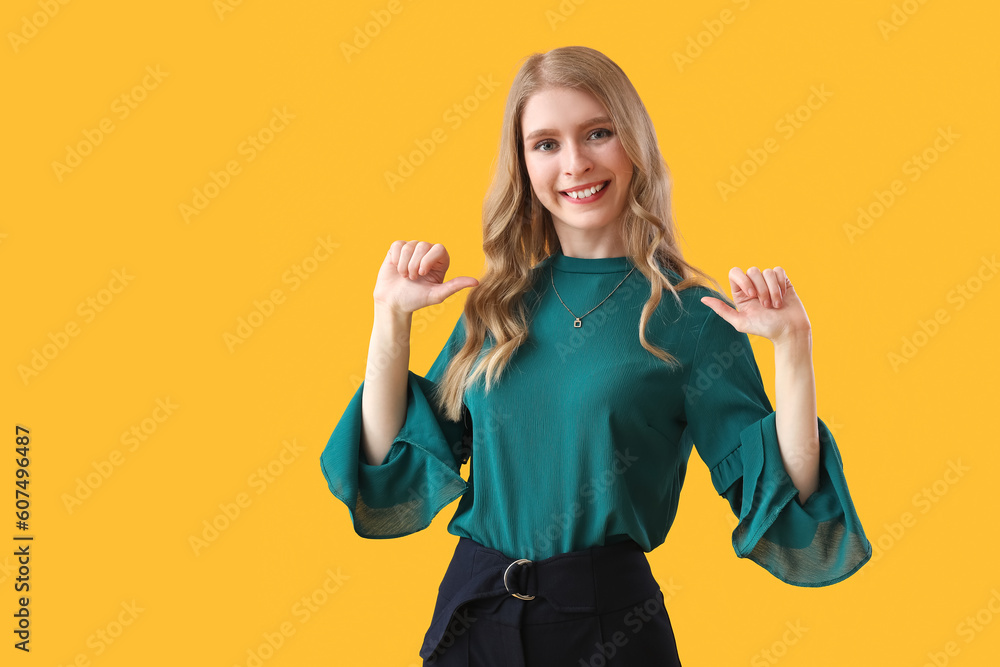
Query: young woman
{"type": "Point", "coordinates": [588, 361]}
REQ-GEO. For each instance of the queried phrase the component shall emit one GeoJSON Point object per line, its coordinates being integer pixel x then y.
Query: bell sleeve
{"type": "Point", "coordinates": [732, 425]}
{"type": "Point", "coordinates": [420, 473]}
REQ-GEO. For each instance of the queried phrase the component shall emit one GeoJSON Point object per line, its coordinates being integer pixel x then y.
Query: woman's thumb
{"type": "Point", "coordinates": [457, 284]}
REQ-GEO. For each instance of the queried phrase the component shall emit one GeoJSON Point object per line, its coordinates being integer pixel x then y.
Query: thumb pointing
{"type": "Point", "coordinates": [457, 284]}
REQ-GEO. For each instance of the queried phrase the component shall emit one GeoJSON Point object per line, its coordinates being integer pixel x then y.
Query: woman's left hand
{"type": "Point", "coordinates": [766, 304]}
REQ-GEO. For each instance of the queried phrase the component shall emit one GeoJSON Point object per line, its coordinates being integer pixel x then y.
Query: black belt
{"type": "Point", "coordinates": [593, 580]}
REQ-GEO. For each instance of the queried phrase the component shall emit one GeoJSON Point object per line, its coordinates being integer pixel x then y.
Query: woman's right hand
{"type": "Point", "coordinates": [412, 274]}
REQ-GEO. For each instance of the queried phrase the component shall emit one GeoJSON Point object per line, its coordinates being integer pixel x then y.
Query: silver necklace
{"type": "Point", "coordinates": [578, 321]}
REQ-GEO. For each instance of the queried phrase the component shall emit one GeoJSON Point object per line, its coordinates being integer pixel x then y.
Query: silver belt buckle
{"type": "Point", "coordinates": [519, 561]}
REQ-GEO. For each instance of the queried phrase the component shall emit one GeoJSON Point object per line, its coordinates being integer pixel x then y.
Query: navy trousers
{"type": "Point", "coordinates": [599, 607]}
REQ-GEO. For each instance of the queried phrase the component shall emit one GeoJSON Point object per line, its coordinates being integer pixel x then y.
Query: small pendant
{"type": "Point", "coordinates": [578, 323]}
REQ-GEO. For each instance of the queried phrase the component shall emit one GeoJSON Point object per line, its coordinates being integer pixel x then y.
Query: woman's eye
{"type": "Point", "coordinates": [549, 141]}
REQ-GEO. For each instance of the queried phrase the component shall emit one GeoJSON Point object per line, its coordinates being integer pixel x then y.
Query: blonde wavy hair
{"type": "Point", "coordinates": [518, 231]}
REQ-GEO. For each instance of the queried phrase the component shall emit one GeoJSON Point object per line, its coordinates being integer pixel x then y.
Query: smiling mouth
{"type": "Point", "coordinates": [590, 197]}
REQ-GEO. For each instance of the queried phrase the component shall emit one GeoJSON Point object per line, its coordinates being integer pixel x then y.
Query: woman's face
{"type": "Point", "coordinates": [570, 142]}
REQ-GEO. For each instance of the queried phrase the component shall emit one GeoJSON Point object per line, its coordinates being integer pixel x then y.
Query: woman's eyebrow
{"type": "Point", "coordinates": [591, 121]}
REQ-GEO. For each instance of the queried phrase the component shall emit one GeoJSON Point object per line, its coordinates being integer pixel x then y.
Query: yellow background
{"type": "Point", "coordinates": [322, 176]}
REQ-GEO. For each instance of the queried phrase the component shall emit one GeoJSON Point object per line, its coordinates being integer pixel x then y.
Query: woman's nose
{"type": "Point", "coordinates": [577, 159]}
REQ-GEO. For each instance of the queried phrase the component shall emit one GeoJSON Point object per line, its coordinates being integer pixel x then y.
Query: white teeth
{"type": "Point", "coordinates": [581, 194]}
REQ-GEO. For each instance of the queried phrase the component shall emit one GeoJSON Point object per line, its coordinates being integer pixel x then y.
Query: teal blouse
{"type": "Point", "coordinates": [585, 438]}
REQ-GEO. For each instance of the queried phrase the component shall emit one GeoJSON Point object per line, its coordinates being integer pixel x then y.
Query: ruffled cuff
{"type": "Point", "coordinates": [418, 477]}
{"type": "Point", "coordinates": [817, 543]}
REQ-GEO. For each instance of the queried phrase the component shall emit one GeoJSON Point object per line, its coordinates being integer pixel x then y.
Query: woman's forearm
{"type": "Point", "coordinates": [383, 401]}
{"type": "Point", "coordinates": [795, 411]}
